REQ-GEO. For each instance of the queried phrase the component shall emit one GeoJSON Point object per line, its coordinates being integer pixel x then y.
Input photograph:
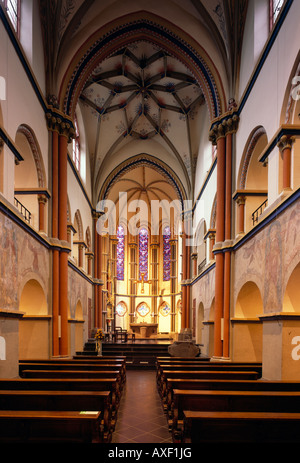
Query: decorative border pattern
{"type": "Point", "coordinates": [132, 31]}
{"type": "Point", "coordinates": [137, 161]}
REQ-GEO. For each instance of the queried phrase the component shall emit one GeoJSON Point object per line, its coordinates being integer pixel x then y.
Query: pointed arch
{"type": "Point", "coordinates": [251, 144]}
{"type": "Point", "coordinates": [147, 26]}
{"type": "Point", "coordinates": [36, 153]}
{"type": "Point", "coordinates": [88, 239]}
{"type": "Point", "coordinates": [78, 224]}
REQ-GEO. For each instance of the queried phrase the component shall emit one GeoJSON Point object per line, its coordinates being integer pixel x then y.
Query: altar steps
{"type": "Point", "coordinates": [138, 355]}
{"type": "Point", "coordinates": [141, 354]}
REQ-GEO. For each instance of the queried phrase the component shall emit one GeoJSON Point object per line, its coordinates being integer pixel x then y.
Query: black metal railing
{"type": "Point", "coordinates": [201, 266]}
{"type": "Point", "coordinates": [23, 210]}
{"type": "Point", "coordinates": [258, 212]}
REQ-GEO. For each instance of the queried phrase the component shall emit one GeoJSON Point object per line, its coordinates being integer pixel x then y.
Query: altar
{"type": "Point", "coordinates": [144, 330]}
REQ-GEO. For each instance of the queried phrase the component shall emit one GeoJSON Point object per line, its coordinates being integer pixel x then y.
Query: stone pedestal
{"type": "Point", "coordinates": [9, 343]}
{"type": "Point", "coordinates": [183, 349]}
{"type": "Point", "coordinates": [281, 346]}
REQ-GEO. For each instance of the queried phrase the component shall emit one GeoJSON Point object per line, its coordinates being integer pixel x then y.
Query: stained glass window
{"type": "Point", "coordinates": [143, 254]}
{"type": "Point", "coordinates": [166, 254]}
{"type": "Point", "coordinates": [120, 253]}
{"type": "Point", "coordinates": [76, 147]}
{"type": "Point", "coordinates": [121, 309]}
{"type": "Point", "coordinates": [165, 309]}
{"type": "Point", "coordinates": [143, 309]}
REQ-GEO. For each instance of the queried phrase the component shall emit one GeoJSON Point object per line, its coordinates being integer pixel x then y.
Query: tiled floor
{"type": "Point", "coordinates": [140, 417]}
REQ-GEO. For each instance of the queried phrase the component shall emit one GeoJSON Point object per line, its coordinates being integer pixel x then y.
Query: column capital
{"type": "Point", "coordinates": [42, 198]}
{"type": "Point", "coordinates": [241, 200]}
{"type": "Point", "coordinates": [61, 123]}
{"type": "Point", "coordinates": [228, 123]}
{"type": "Point", "coordinates": [286, 141]}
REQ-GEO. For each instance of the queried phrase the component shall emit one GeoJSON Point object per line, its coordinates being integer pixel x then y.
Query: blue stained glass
{"type": "Point", "coordinates": [143, 253]}
{"type": "Point", "coordinates": [166, 254]}
{"type": "Point", "coordinates": [120, 253]}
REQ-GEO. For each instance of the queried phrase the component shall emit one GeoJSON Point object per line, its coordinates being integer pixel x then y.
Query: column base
{"type": "Point", "coordinates": [220, 359]}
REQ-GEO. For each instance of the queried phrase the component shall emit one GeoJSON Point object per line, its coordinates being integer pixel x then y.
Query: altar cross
{"type": "Point", "coordinates": [143, 281]}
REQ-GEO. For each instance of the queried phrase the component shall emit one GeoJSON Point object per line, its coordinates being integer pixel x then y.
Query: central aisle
{"type": "Point", "coordinates": [140, 417]}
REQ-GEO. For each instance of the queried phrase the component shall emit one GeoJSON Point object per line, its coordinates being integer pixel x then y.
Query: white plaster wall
{"type": "Point", "coordinates": [77, 200]}
{"type": "Point", "coordinates": [264, 104]}
{"type": "Point", "coordinates": [21, 105]}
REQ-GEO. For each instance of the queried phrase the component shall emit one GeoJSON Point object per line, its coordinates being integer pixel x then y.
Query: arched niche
{"type": "Point", "coordinates": [78, 326]}
{"type": "Point", "coordinates": [34, 327]}
{"type": "Point", "coordinates": [200, 246]}
{"type": "Point", "coordinates": [253, 179]}
{"type": "Point", "coordinates": [292, 292]}
{"type": "Point", "coordinates": [209, 348]}
{"type": "Point", "coordinates": [247, 328]}
{"type": "Point", "coordinates": [200, 326]}
{"type": "Point", "coordinates": [33, 300]}
{"type": "Point", "coordinates": [29, 174]}
{"type": "Point", "coordinates": [249, 301]}
{"type": "Point", "coordinates": [79, 311]}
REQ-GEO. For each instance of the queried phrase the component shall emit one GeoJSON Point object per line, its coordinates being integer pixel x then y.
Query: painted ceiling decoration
{"type": "Point", "coordinates": [145, 27]}
{"type": "Point", "coordinates": [141, 84]}
{"type": "Point", "coordinates": [141, 93]}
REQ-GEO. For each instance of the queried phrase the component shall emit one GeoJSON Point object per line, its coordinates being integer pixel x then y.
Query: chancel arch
{"type": "Point", "coordinates": [143, 256]}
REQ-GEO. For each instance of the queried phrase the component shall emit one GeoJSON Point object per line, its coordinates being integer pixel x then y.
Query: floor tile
{"type": "Point", "coordinates": [141, 418]}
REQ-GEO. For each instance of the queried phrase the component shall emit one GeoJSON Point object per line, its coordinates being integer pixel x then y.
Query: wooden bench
{"type": "Point", "coordinates": [120, 361]}
{"type": "Point", "coordinates": [205, 366]}
{"type": "Point", "coordinates": [49, 426]}
{"type": "Point", "coordinates": [115, 368]}
{"type": "Point", "coordinates": [203, 374]}
{"type": "Point", "coordinates": [240, 427]}
{"type": "Point", "coordinates": [63, 401]}
{"type": "Point", "coordinates": [175, 359]}
{"type": "Point", "coordinates": [95, 357]}
{"type": "Point", "coordinates": [65, 384]}
{"type": "Point", "coordinates": [225, 385]}
{"type": "Point", "coordinates": [242, 401]}
{"type": "Point", "coordinates": [185, 365]}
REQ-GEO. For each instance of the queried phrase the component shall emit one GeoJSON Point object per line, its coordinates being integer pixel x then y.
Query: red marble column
{"type": "Point", "coordinates": [285, 145]}
{"type": "Point", "coordinates": [96, 321]}
{"type": "Point", "coordinates": [220, 235]}
{"type": "Point", "coordinates": [99, 286]}
{"type": "Point", "coordinates": [42, 200]}
{"type": "Point", "coordinates": [55, 252]}
{"type": "Point", "coordinates": [63, 237]}
{"type": "Point", "coordinates": [227, 256]}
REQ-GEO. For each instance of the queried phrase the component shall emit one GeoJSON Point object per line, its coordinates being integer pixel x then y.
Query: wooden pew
{"type": "Point", "coordinates": [189, 359]}
{"type": "Point", "coordinates": [116, 368]}
{"type": "Point", "coordinates": [240, 427]}
{"type": "Point", "coordinates": [91, 361]}
{"type": "Point", "coordinates": [49, 426]}
{"type": "Point", "coordinates": [65, 384]}
{"type": "Point", "coordinates": [216, 366]}
{"type": "Point", "coordinates": [202, 374]}
{"type": "Point", "coordinates": [242, 401]}
{"type": "Point", "coordinates": [225, 385]}
{"type": "Point", "coordinates": [96, 357]}
{"type": "Point", "coordinates": [63, 401]}
{"type": "Point", "coordinates": [185, 365]}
